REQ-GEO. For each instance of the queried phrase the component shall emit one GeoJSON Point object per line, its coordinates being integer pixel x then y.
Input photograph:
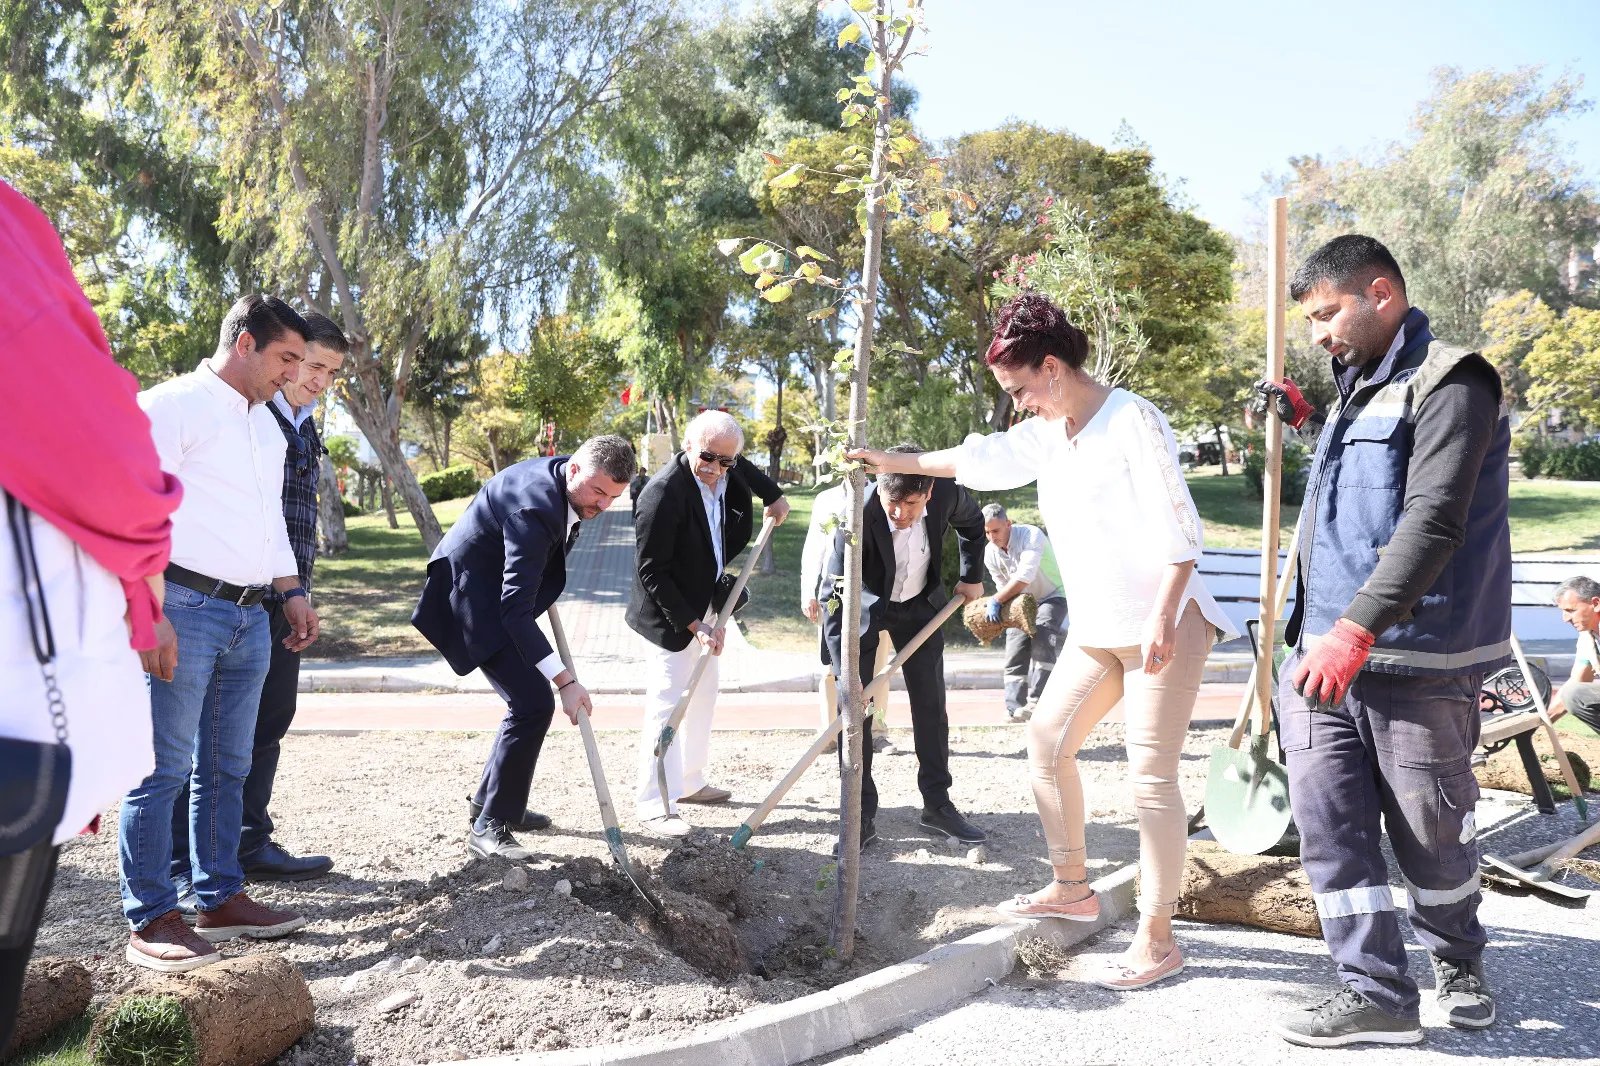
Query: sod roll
{"type": "Point", "coordinates": [54, 991]}
{"type": "Point", "coordinates": [1266, 891]}
{"type": "Point", "coordinates": [240, 1012]}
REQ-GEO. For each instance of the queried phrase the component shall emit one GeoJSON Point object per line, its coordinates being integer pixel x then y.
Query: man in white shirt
{"type": "Point", "coordinates": [1019, 559]}
{"type": "Point", "coordinates": [229, 547]}
{"type": "Point", "coordinates": [1579, 600]}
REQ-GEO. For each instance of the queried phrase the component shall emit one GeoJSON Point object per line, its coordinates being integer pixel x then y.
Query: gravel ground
{"type": "Point", "coordinates": [490, 959]}
{"type": "Point", "coordinates": [1540, 963]}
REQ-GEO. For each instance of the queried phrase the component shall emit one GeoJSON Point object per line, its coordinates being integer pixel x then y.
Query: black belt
{"type": "Point", "coordinates": [243, 595]}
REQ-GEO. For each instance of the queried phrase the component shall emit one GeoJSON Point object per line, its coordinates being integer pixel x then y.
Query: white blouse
{"type": "Point", "coordinates": [1115, 505]}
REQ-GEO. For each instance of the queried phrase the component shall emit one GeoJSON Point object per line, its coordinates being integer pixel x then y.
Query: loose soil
{"type": "Point", "coordinates": [489, 957]}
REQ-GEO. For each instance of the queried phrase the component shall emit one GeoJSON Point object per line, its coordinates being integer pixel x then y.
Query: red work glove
{"type": "Point", "coordinates": [1325, 673]}
{"type": "Point", "coordinates": [1285, 398]}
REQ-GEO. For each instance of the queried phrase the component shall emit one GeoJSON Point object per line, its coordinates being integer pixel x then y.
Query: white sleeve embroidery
{"type": "Point", "coordinates": [1157, 477]}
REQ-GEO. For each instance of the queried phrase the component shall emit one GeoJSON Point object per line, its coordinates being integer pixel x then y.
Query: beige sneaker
{"type": "Point", "coordinates": [672, 827]}
{"type": "Point", "coordinates": [708, 794]}
{"type": "Point", "coordinates": [243, 916]}
{"type": "Point", "coordinates": [167, 945]}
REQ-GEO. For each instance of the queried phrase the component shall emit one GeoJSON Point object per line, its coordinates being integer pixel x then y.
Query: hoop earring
{"type": "Point", "coordinates": [1053, 394]}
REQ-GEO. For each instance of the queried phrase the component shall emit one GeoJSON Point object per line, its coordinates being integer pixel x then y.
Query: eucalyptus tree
{"type": "Point", "coordinates": [406, 159]}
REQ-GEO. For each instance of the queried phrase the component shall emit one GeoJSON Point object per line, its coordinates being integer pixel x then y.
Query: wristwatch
{"type": "Point", "coordinates": [289, 594]}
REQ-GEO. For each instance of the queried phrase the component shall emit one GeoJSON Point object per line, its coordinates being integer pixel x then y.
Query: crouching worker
{"type": "Point", "coordinates": [1379, 698]}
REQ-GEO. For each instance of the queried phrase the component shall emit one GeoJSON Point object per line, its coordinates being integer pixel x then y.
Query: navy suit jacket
{"type": "Point", "coordinates": [500, 567]}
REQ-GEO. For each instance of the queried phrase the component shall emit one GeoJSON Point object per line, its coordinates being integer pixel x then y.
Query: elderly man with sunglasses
{"type": "Point", "coordinates": [691, 520]}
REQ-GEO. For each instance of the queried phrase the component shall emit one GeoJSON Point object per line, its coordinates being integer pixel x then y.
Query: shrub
{"type": "Point", "coordinates": [1532, 456]}
{"type": "Point", "coordinates": [351, 508]}
{"type": "Point", "coordinates": [1573, 462]}
{"type": "Point", "coordinates": [451, 483]}
{"type": "Point", "coordinates": [1296, 467]}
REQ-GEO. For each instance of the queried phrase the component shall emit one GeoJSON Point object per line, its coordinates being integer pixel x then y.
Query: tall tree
{"type": "Point", "coordinates": [404, 158]}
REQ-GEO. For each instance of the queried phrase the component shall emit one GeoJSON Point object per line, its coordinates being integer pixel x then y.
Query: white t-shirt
{"type": "Point", "coordinates": [1586, 652]}
{"type": "Point", "coordinates": [1115, 506]}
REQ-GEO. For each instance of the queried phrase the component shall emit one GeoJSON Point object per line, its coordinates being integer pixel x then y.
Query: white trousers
{"type": "Point", "coordinates": [828, 693]}
{"type": "Point", "coordinates": [667, 675]}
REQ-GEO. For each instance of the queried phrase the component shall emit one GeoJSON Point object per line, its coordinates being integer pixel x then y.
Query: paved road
{"type": "Point", "coordinates": [1542, 963]}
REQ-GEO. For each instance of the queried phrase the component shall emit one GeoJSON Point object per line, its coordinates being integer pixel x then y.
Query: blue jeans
{"type": "Point", "coordinates": [205, 720]}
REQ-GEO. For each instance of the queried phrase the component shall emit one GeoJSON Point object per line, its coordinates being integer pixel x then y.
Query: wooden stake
{"type": "Point", "coordinates": [1272, 475]}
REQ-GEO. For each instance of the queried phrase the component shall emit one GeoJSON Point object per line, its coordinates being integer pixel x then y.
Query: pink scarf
{"type": "Point", "coordinates": [76, 449]}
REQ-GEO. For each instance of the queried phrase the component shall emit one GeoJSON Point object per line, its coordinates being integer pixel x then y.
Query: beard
{"type": "Point", "coordinates": [1364, 338]}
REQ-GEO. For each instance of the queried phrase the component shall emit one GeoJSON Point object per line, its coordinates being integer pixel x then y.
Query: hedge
{"type": "Point", "coordinates": [1565, 462]}
{"type": "Point", "coordinates": [451, 483]}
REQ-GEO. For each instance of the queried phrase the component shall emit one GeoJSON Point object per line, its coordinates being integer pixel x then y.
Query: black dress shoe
{"type": "Point", "coordinates": [945, 821]}
{"type": "Point", "coordinates": [497, 840]}
{"type": "Point", "coordinates": [869, 835]}
{"type": "Point", "coordinates": [532, 821]}
{"type": "Point", "coordinates": [273, 863]}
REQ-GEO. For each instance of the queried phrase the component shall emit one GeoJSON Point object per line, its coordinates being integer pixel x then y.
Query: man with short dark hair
{"type": "Point", "coordinates": [1019, 559]}
{"type": "Point", "coordinates": [502, 565]}
{"type": "Point", "coordinates": [904, 523]}
{"type": "Point", "coordinates": [1579, 600]}
{"type": "Point", "coordinates": [1403, 604]}
{"type": "Point", "coordinates": [230, 547]}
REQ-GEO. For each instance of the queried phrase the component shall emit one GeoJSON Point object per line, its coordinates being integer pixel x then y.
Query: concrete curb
{"type": "Point", "coordinates": [858, 1010]}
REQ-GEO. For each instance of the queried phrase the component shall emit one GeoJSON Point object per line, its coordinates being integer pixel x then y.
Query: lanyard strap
{"type": "Point", "coordinates": [44, 641]}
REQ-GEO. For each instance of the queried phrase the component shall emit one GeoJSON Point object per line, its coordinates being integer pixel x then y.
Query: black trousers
{"type": "Point", "coordinates": [273, 717]}
{"type": "Point", "coordinates": [924, 677]}
{"type": "Point", "coordinates": [530, 706]}
{"type": "Point", "coordinates": [14, 961]}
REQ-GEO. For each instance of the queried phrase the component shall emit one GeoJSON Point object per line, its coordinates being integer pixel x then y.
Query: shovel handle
{"type": "Point", "coordinates": [1284, 584]}
{"type": "Point", "coordinates": [608, 811]}
{"type": "Point", "coordinates": [1567, 775]}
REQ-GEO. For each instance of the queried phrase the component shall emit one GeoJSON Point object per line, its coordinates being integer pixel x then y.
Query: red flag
{"type": "Point", "coordinates": [627, 396]}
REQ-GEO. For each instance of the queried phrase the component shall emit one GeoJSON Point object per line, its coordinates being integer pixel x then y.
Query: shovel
{"type": "Point", "coordinates": [1567, 775]}
{"type": "Point", "coordinates": [608, 813]}
{"type": "Point", "coordinates": [876, 687]}
{"type": "Point", "coordinates": [668, 731]}
{"type": "Point", "coordinates": [1539, 877]}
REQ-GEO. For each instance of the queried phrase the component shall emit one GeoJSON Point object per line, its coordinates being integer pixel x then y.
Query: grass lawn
{"type": "Point", "coordinates": [67, 1046]}
{"type": "Point", "coordinates": [366, 594]}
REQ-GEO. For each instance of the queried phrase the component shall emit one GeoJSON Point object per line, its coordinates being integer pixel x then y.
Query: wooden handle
{"type": "Point", "coordinates": [1272, 475]}
{"type": "Point", "coordinates": [1285, 583]}
{"type": "Point", "coordinates": [1567, 775]}
{"type": "Point", "coordinates": [608, 812]}
{"type": "Point", "coordinates": [874, 687]}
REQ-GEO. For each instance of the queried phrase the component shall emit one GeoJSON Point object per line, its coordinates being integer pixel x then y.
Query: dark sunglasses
{"type": "Point", "coordinates": [721, 460]}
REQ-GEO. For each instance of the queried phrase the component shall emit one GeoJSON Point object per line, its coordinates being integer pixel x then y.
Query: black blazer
{"type": "Point", "coordinates": [501, 566]}
{"type": "Point", "coordinates": [677, 568]}
{"type": "Point", "coordinates": [949, 506]}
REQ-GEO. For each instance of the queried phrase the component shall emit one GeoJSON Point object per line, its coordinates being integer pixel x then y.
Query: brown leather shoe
{"type": "Point", "coordinates": [243, 916]}
{"type": "Point", "coordinates": [169, 946]}
{"type": "Point", "coordinates": [708, 794]}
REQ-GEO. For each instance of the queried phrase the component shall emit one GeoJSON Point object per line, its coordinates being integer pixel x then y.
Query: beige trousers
{"type": "Point", "coordinates": [828, 692]}
{"type": "Point", "coordinates": [1086, 684]}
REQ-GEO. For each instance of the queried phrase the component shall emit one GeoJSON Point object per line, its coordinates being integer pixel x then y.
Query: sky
{"type": "Point", "coordinates": [1225, 92]}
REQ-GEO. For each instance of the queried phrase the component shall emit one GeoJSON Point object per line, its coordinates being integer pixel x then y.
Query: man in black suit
{"type": "Point", "coordinates": [904, 523]}
{"type": "Point", "coordinates": [690, 521]}
{"type": "Point", "coordinates": [501, 566]}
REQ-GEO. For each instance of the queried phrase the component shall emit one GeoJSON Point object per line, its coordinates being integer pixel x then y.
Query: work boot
{"type": "Point", "coordinates": [869, 835]}
{"type": "Point", "coordinates": [532, 821]}
{"type": "Point", "coordinates": [1463, 992]}
{"type": "Point", "coordinates": [1346, 1017]}
{"type": "Point", "coordinates": [945, 821]}
{"type": "Point", "coordinates": [495, 839]}
{"type": "Point", "coordinates": [272, 862]}
{"type": "Point", "coordinates": [166, 945]}
{"type": "Point", "coordinates": [243, 916]}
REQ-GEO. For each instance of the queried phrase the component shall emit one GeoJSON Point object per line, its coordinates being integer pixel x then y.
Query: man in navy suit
{"type": "Point", "coordinates": [501, 566]}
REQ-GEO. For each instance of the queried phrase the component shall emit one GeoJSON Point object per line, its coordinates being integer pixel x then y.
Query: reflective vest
{"type": "Point", "coordinates": [1462, 624]}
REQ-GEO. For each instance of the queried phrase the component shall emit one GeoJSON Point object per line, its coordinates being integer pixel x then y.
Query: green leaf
{"type": "Point", "coordinates": [902, 144]}
{"type": "Point", "coordinates": [850, 118]}
{"type": "Point", "coordinates": [789, 178]}
{"type": "Point", "coordinates": [766, 280]}
{"type": "Point", "coordinates": [778, 293]}
{"type": "Point", "coordinates": [729, 245]}
{"type": "Point", "coordinates": [821, 313]}
{"type": "Point", "coordinates": [861, 5]}
{"type": "Point", "coordinates": [810, 271]}
{"type": "Point", "coordinates": [850, 33]}
{"type": "Point", "coordinates": [750, 261]}
{"type": "Point", "coordinates": [938, 221]}
{"type": "Point", "coordinates": [871, 63]}
{"type": "Point", "coordinates": [805, 251]}
{"type": "Point", "coordinates": [843, 95]}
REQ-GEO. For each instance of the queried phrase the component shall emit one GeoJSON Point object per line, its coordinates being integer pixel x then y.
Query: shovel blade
{"type": "Point", "coordinates": [1247, 799]}
{"type": "Point", "coordinates": [1501, 870]}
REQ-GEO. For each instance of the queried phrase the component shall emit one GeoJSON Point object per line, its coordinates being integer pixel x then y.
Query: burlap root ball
{"type": "Point", "coordinates": [1019, 613]}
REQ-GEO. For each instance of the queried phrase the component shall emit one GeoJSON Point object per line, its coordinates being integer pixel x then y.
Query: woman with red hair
{"type": "Point", "coordinates": [87, 536]}
{"type": "Point", "coordinates": [1126, 536]}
